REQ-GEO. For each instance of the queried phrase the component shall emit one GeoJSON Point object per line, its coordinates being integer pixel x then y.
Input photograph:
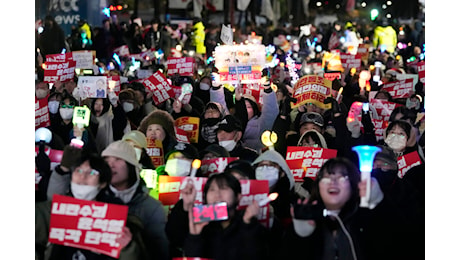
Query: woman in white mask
{"type": "Point", "coordinates": [90, 177]}
{"type": "Point", "coordinates": [271, 166]}
{"type": "Point", "coordinates": [397, 135]}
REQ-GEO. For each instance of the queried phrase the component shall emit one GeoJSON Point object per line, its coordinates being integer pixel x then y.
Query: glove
{"type": "Point", "coordinates": [113, 98]}
{"type": "Point", "coordinates": [355, 128]}
{"type": "Point", "coordinates": [70, 156]}
{"type": "Point", "coordinates": [335, 105]}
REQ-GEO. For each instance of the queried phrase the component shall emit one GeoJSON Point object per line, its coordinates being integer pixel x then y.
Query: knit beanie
{"type": "Point", "coordinates": [159, 117]}
{"type": "Point", "coordinates": [137, 137]}
{"type": "Point", "coordinates": [123, 150]}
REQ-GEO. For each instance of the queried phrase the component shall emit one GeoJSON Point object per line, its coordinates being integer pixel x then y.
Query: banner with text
{"type": "Point", "coordinates": [215, 165]}
{"type": "Point", "coordinates": [306, 161]}
{"type": "Point", "coordinates": [62, 71]}
{"type": "Point", "coordinates": [244, 62]}
{"type": "Point", "coordinates": [312, 89]}
{"type": "Point", "coordinates": [407, 162]}
{"type": "Point", "coordinates": [350, 61]}
{"type": "Point", "coordinates": [159, 85]}
{"type": "Point", "coordinates": [155, 151]}
{"type": "Point", "coordinates": [191, 125]}
{"type": "Point", "coordinates": [399, 89]}
{"type": "Point", "coordinates": [85, 224]}
{"type": "Point", "coordinates": [183, 66]}
{"type": "Point", "coordinates": [42, 114]}
{"type": "Point", "coordinates": [421, 71]}
{"type": "Point", "coordinates": [384, 108]}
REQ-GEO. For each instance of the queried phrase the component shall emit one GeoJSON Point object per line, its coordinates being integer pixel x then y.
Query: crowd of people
{"type": "Point", "coordinates": [316, 218]}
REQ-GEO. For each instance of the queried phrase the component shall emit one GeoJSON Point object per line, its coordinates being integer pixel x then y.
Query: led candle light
{"type": "Point", "coordinates": [339, 94]}
{"type": "Point", "coordinates": [270, 197]}
{"type": "Point", "coordinates": [366, 155]}
{"type": "Point", "coordinates": [196, 164]}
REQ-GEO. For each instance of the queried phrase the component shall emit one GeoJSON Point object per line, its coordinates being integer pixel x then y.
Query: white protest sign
{"type": "Point", "coordinates": [92, 87]}
{"type": "Point", "coordinates": [84, 59]}
{"type": "Point", "coordinates": [226, 34]}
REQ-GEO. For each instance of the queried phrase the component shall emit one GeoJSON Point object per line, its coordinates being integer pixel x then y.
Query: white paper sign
{"type": "Point", "coordinates": [92, 87]}
{"type": "Point", "coordinates": [84, 59]}
{"type": "Point", "coordinates": [226, 34]}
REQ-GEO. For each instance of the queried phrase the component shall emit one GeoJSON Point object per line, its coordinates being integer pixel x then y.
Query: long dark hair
{"type": "Point", "coordinates": [222, 180]}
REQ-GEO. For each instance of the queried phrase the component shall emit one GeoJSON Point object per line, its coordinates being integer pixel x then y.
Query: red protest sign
{"type": "Point", "coordinates": [159, 85]}
{"type": "Point", "coordinates": [87, 224]}
{"type": "Point", "coordinates": [42, 114]}
{"type": "Point", "coordinates": [178, 91]}
{"type": "Point", "coordinates": [399, 89]}
{"type": "Point", "coordinates": [62, 71]}
{"type": "Point", "coordinates": [312, 89]}
{"type": "Point", "coordinates": [190, 125]}
{"type": "Point", "coordinates": [255, 90]}
{"type": "Point", "coordinates": [155, 151]}
{"type": "Point", "coordinates": [215, 165]}
{"type": "Point", "coordinates": [181, 135]}
{"type": "Point", "coordinates": [421, 71]}
{"type": "Point", "coordinates": [169, 190]}
{"type": "Point", "coordinates": [379, 127]}
{"type": "Point", "coordinates": [384, 108]}
{"type": "Point", "coordinates": [59, 57]}
{"type": "Point", "coordinates": [122, 51]}
{"type": "Point", "coordinates": [255, 190]}
{"type": "Point", "coordinates": [332, 75]}
{"type": "Point", "coordinates": [350, 61]}
{"type": "Point", "coordinates": [408, 161]}
{"type": "Point", "coordinates": [306, 161]}
{"type": "Point", "coordinates": [182, 66]}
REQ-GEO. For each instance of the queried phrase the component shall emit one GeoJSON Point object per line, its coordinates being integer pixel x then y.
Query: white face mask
{"type": "Point", "coordinates": [178, 167]}
{"type": "Point", "coordinates": [204, 86]}
{"type": "Point", "coordinates": [269, 173]}
{"type": "Point", "coordinates": [41, 93]}
{"type": "Point", "coordinates": [229, 145]}
{"type": "Point", "coordinates": [84, 192]}
{"type": "Point", "coordinates": [396, 142]}
{"type": "Point", "coordinates": [128, 107]}
{"type": "Point", "coordinates": [53, 106]}
{"type": "Point", "coordinates": [66, 113]}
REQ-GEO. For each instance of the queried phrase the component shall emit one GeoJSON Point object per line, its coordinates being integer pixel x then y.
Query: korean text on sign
{"type": "Point", "coordinates": [306, 161]}
{"type": "Point", "coordinates": [87, 224]}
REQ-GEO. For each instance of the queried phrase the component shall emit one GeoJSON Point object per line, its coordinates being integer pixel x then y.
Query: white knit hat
{"type": "Point", "coordinates": [123, 150]}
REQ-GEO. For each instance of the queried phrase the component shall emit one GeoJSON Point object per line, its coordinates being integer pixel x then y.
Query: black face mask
{"type": "Point", "coordinates": [385, 178]}
{"type": "Point", "coordinates": [211, 121]}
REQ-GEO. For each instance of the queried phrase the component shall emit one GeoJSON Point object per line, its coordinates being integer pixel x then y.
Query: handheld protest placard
{"type": "Point", "coordinates": [81, 116]}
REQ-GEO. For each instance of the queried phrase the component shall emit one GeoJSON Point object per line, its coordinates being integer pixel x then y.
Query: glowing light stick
{"type": "Point", "coordinates": [81, 117]}
{"type": "Point", "coordinates": [270, 197]}
{"type": "Point", "coordinates": [196, 164]}
{"type": "Point", "coordinates": [339, 94]}
{"type": "Point", "coordinates": [366, 156]}
{"type": "Point", "coordinates": [269, 139]}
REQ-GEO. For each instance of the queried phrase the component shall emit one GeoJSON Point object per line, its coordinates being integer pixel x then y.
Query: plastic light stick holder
{"type": "Point", "coordinates": [366, 155]}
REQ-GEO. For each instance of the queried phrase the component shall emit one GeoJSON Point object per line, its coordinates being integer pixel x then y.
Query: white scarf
{"type": "Point", "coordinates": [125, 195]}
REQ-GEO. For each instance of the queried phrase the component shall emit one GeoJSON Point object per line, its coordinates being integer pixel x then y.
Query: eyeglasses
{"type": "Point", "coordinates": [329, 179]}
{"type": "Point", "coordinates": [93, 172]}
{"type": "Point", "coordinates": [67, 106]}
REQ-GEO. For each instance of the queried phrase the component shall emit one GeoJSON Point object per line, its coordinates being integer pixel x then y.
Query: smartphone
{"type": "Point", "coordinates": [210, 212]}
{"type": "Point", "coordinates": [366, 107]}
{"type": "Point", "coordinates": [308, 212]}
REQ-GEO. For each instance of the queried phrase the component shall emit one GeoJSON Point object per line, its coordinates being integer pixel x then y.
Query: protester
{"type": "Point", "coordinates": [179, 159]}
{"type": "Point", "coordinates": [229, 134]}
{"type": "Point", "coordinates": [138, 140]}
{"type": "Point", "coordinates": [52, 39]}
{"type": "Point", "coordinates": [90, 179]}
{"type": "Point", "coordinates": [347, 231]}
{"type": "Point", "coordinates": [159, 125]}
{"type": "Point", "coordinates": [241, 236]}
